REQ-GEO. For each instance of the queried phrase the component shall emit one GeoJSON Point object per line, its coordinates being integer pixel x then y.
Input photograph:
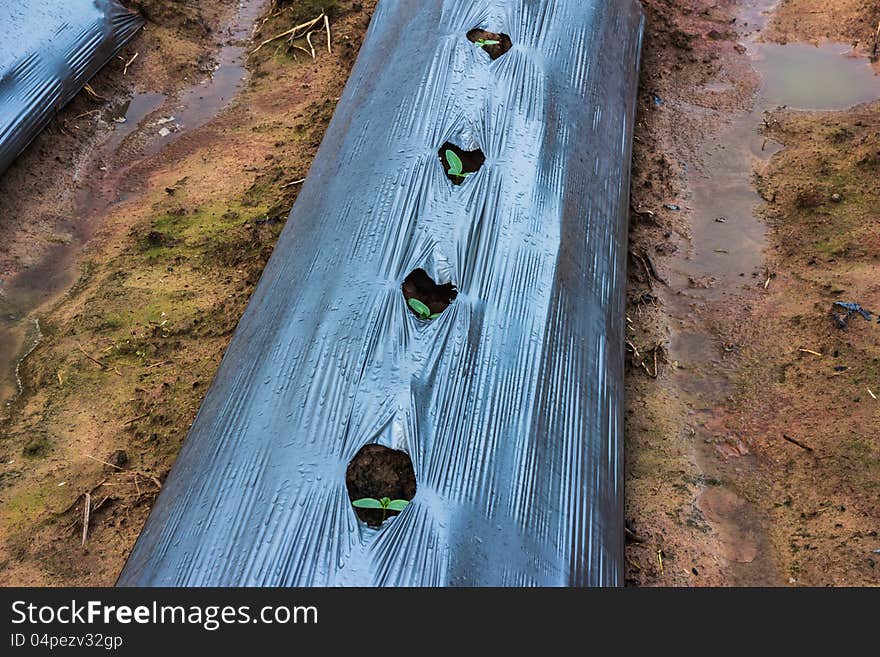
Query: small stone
{"type": "Point", "coordinates": [837, 198]}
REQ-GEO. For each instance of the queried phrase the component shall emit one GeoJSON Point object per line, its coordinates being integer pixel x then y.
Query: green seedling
{"type": "Point", "coordinates": [482, 43]}
{"type": "Point", "coordinates": [455, 165]}
{"type": "Point", "coordinates": [421, 309]}
{"type": "Point", "coordinates": [386, 504]}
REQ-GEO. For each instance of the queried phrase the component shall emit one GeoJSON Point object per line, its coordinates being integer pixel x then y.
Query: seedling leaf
{"type": "Point", "coordinates": [397, 505]}
{"type": "Point", "coordinates": [420, 308]}
{"type": "Point", "coordinates": [482, 43]}
{"type": "Point", "coordinates": [434, 315]}
{"type": "Point", "coordinates": [455, 165]}
{"type": "Point", "coordinates": [368, 503]}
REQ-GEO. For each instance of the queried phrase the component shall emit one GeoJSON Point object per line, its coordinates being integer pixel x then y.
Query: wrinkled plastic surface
{"type": "Point", "coordinates": [48, 50]}
{"type": "Point", "coordinates": [510, 404]}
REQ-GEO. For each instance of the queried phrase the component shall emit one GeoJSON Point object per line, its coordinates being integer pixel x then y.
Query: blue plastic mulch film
{"type": "Point", "coordinates": [49, 49]}
{"type": "Point", "coordinates": [510, 402]}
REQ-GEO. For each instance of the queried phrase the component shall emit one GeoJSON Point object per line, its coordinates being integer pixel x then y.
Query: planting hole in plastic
{"type": "Point", "coordinates": [378, 472]}
{"type": "Point", "coordinates": [459, 163]}
{"type": "Point", "coordinates": [493, 43]}
{"type": "Point", "coordinates": [425, 298]}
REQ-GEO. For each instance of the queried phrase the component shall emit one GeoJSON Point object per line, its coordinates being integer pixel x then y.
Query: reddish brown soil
{"type": "Point", "coordinates": [805, 401]}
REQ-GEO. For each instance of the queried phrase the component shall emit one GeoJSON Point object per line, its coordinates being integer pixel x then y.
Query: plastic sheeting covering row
{"type": "Point", "coordinates": [49, 49]}
{"type": "Point", "coordinates": [509, 403]}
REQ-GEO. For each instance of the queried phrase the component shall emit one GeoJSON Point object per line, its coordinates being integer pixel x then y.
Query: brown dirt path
{"type": "Point", "coordinates": [720, 489]}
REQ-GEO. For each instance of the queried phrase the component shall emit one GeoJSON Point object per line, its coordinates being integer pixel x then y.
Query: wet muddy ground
{"type": "Point", "coordinates": [131, 248]}
{"type": "Point", "coordinates": [717, 492]}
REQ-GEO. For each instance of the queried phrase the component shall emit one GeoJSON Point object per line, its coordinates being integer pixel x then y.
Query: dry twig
{"type": "Point", "coordinates": [89, 113]}
{"type": "Point", "coordinates": [650, 269]}
{"type": "Point", "coordinates": [656, 372]}
{"type": "Point", "coordinates": [794, 441]}
{"type": "Point", "coordinates": [86, 511]}
{"type": "Point", "coordinates": [135, 419]}
{"type": "Point", "coordinates": [327, 27]}
{"type": "Point", "coordinates": [91, 92]}
{"type": "Point", "coordinates": [129, 63]}
{"type": "Point", "coordinates": [639, 211]}
{"type": "Point", "coordinates": [875, 52]}
{"type": "Point", "coordinates": [89, 456]}
{"type": "Point", "coordinates": [633, 563]}
{"type": "Point", "coordinates": [291, 32]}
{"type": "Point", "coordinates": [633, 347]}
{"type": "Point", "coordinates": [93, 359]}
{"type": "Point", "coordinates": [103, 366]}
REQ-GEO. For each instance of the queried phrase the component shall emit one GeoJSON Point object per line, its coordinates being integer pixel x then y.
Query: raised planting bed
{"type": "Point", "coordinates": [49, 49]}
{"type": "Point", "coordinates": [503, 386]}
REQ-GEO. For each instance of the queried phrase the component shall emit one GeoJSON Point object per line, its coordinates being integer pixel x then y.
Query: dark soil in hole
{"type": "Point", "coordinates": [495, 50]}
{"type": "Point", "coordinates": [378, 472]}
{"type": "Point", "coordinates": [471, 161]}
{"type": "Point", "coordinates": [418, 285]}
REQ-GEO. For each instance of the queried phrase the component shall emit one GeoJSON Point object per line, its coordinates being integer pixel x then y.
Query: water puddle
{"type": "Point", "coordinates": [131, 116]}
{"type": "Point", "coordinates": [723, 262]}
{"type": "Point", "coordinates": [806, 77]}
{"type": "Point", "coordinates": [727, 240]}
{"type": "Point", "coordinates": [162, 121]}
{"type": "Point", "coordinates": [202, 103]}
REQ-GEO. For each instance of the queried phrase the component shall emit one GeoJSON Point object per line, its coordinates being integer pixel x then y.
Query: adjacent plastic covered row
{"type": "Point", "coordinates": [510, 402]}
{"type": "Point", "coordinates": [48, 50]}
